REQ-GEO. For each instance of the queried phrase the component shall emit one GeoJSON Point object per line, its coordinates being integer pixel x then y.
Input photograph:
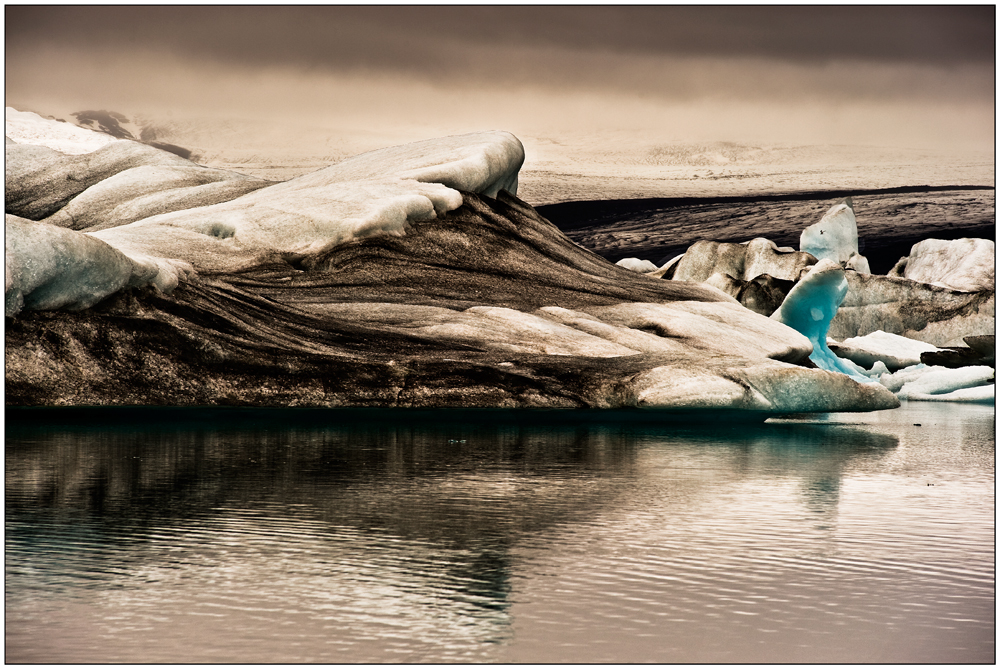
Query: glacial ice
{"type": "Point", "coordinates": [48, 267]}
{"type": "Point", "coordinates": [147, 190]}
{"type": "Point", "coordinates": [959, 264]}
{"type": "Point", "coordinates": [637, 265]}
{"type": "Point", "coordinates": [932, 314]}
{"type": "Point", "coordinates": [741, 261]}
{"type": "Point", "coordinates": [924, 383]}
{"type": "Point", "coordinates": [381, 192]}
{"type": "Point", "coordinates": [760, 386]}
{"type": "Point", "coordinates": [978, 395]}
{"type": "Point", "coordinates": [810, 306]}
{"type": "Point", "coordinates": [894, 351]}
{"type": "Point", "coordinates": [835, 238]}
{"type": "Point", "coordinates": [30, 128]}
{"type": "Point", "coordinates": [39, 181]}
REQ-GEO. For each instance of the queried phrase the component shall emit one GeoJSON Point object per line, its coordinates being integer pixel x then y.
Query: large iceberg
{"type": "Point", "coordinates": [407, 277]}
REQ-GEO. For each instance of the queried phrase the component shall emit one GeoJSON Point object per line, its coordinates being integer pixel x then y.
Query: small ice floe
{"type": "Point", "coordinates": [894, 351]}
{"type": "Point", "coordinates": [941, 384]}
{"type": "Point", "coordinates": [637, 265]}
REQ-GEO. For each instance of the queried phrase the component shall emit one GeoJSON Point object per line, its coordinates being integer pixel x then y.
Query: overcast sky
{"type": "Point", "coordinates": [912, 75]}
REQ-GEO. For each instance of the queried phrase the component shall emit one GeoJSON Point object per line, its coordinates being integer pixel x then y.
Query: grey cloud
{"type": "Point", "coordinates": [415, 37]}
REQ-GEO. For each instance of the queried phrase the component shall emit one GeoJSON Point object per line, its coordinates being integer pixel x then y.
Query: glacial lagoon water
{"type": "Point", "coordinates": [311, 536]}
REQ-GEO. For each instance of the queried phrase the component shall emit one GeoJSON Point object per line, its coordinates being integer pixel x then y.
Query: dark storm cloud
{"type": "Point", "coordinates": [412, 38]}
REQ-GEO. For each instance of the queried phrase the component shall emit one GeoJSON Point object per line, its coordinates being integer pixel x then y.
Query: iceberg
{"type": "Point", "coordinates": [978, 395]}
{"type": "Point", "coordinates": [960, 264]}
{"type": "Point", "coordinates": [835, 238]}
{"type": "Point", "coordinates": [978, 350]}
{"type": "Point", "coordinates": [406, 277]}
{"type": "Point", "coordinates": [941, 384]}
{"type": "Point", "coordinates": [894, 351]}
{"type": "Point", "coordinates": [488, 305]}
{"type": "Point", "coordinates": [637, 265]}
{"type": "Point", "coordinates": [741, 261]}
{"type": "Point", "coordinates": [810, 307]}
{"type": "Point", "coordinates": [53, 268]}
{"type": "Point", "coordinates": [932, 314]}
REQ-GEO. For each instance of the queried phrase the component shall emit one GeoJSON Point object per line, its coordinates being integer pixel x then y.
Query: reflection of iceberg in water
{"type": "Point", "coordinates": [400, 532]}
{"type": "Point", "coordinates": [818, 456]}
{"type": "Point", "coordinates": [373, 540]}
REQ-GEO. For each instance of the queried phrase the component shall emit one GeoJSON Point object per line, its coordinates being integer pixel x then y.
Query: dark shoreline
{"type": "Point", "coordinates": [890, 220]}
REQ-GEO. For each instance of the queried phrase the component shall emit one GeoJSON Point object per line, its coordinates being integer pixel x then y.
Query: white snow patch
{"type": "Point", "coordinates": [30, 128]}
{"type": "Point", "coordinates": [381, 192]}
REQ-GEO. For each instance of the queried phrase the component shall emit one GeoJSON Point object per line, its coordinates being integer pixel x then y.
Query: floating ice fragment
{"type": "Point", "coordinates": [977, 395]}
{"type": "Point", "coordinates": [894, 351]}
{"type": "Point", "coordinates": [924, 380]}
{"type": "Point", "coordinates": [637, 265]}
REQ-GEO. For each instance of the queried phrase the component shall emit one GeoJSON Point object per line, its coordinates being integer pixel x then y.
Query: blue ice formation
{"type": "Point", "coordinates": [810, 306]}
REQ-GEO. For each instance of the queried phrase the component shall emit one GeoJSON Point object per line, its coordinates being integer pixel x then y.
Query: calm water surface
{"type": "Point", "coordinates": [298, 536]}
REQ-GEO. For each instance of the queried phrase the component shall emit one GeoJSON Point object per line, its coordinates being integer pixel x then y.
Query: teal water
{"type": "Point", "coordinates": [314, 536]}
